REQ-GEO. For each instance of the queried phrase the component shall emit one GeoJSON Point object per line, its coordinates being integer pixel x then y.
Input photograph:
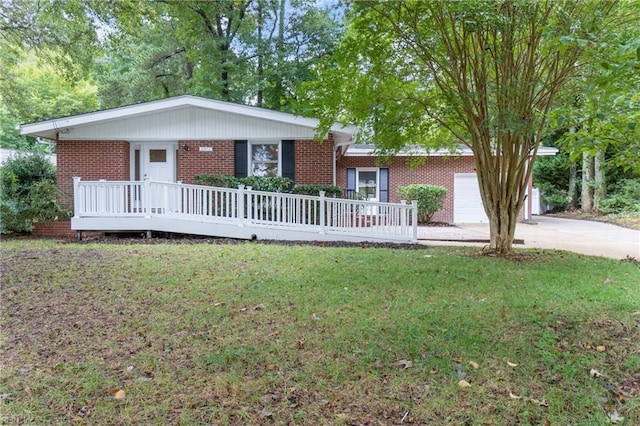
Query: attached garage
{"type": "Point", "coordinates": [467, 202]}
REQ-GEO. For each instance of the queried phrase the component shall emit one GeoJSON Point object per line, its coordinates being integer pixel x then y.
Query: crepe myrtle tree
{"type": "Point", "coordinates": [481, 73]}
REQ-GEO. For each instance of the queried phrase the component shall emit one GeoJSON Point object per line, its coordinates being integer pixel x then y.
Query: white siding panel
{"type": "Point", "coordinates": [190, 123]}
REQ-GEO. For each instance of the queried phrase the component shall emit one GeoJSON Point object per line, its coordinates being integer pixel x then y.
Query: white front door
{"type": "Point", "coordinates": [159, 162]}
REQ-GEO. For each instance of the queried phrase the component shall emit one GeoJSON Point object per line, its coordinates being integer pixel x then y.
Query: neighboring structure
{"type": "Point", "coordinates": [175, 139]}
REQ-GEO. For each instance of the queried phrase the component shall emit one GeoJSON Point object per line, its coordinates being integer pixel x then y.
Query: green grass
{"type": "Point", "coordinates": [268, 334]}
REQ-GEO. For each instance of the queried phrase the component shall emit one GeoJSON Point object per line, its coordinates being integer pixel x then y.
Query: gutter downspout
{"type": "Point", "coordinates": [336, 146]}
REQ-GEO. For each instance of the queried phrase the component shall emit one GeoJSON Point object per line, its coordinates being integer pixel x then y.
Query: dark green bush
{"type": "Point", "coordinates": [257, 183]}
{"type": "Point", "coordinates": [557, 198]}
{"type": "Point", "coordinates": [329, 190]}
{"type": "Point", "coordinates": [430, 199]}
{"type": "Point", "coordinates": [267, 183]}
{"type": "Point", "coordinates": [624, 199]}
{"type": "Point", "coordinates": [220, 181]}
{"type": "Point", "coordinates": [28, 193]}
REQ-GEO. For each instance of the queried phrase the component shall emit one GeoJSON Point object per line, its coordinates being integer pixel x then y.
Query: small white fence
{"type": "Point", "coordinates": [308, 217]}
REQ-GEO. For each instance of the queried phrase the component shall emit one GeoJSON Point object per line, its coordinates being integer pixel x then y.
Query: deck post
{"type": "Point", "coordinates": [322, 212]}
{"type": "Point", "coordinates": [240, 205]}
{"type": "Point", "coordinates": [76, 196]}
{"type": "Point", "coordinates": [146, 197]}
{"type": "Point", "coordinates": [404, 216]}
{"type": "Point", "coordinates": [414, 219]}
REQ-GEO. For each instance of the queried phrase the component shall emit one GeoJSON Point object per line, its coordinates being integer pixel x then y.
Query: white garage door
{"type": "Point", "coordinates": [467, 203]}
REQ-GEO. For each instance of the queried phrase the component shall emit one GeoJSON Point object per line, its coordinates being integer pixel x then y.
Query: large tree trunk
{"type": "Point", "coordinates": [503, 182]}
{"type": "Point", "coordinates": [599, 180]}
{"type": "Point", "coordinates": [587, 182]}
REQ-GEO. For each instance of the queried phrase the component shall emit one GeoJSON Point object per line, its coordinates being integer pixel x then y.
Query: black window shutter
{"type": "Point", "coordinates": [241, 160]}
{"type": "Point", "coordinates": [351, 183]}
{"type": "Point", "coordinates": [289, 160]}
{"type": "Point", "coordinates": [384, 185]}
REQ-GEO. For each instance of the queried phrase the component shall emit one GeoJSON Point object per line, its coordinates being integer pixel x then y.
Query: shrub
{"type": "Point", "coordinates": [557, 198]}
{"type": "Point", "coordinates": [329, 190]}
{"type": "Point", "coordinates": [267, 183]}
{"type": "Point", "coordinates": [220, 181]}
{"type": "Point", "coordinates": [625, 198]}
{"type": "Point", "coordinates": [28, 193]}
{"type": "Point", "coordinates": [257, 183]}
{"type": "Point", "coordinates": [430, 199]}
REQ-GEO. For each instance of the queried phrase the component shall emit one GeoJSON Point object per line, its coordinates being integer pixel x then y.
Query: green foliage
{"type": "Point", "coordinates": [267, 183]}
{"type": "Point", "coordinates": [220, 181]}
{"type": "Point", "coordinates": [257, 183]}
{"type": "Point", "coordinates": [600, 110]}
{"type": "Point", "coordinates": [624, 199]}
{"type": "Point", "coordinates": [329, 190]}
{"type": "Point", "coordinates": [430, 199]}
{"type": "Point", "coordinates": [557, 197]}
{"type": "Point", "coordinates": [551, 176]}
{"type": "Point", "coordinates": [28, 193]}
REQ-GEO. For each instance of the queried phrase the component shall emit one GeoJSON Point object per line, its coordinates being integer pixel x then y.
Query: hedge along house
{"type": "Point", "coordinates": [117, 169]}
{"type": "Point", "coordinates": [363, 172]}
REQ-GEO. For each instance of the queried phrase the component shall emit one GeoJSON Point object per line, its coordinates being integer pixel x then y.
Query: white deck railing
{"type": "Point", "coordinates": [244, 207]}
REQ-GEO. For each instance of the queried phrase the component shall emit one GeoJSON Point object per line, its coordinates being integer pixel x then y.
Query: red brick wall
{"type": "Point", "coordinates": [435, 171]}
{"type": "Point", "coordinates": [90, 160]}
{"type": "Point", "coordinates": [61, 229]}
{"type": "Point", "coordinates": [314, 160]}
{"type": "Point", "coordinates": [192, 162]}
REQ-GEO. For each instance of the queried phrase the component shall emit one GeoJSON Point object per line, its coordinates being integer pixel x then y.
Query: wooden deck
{"type": "Point", "coordinates": [148, 206]}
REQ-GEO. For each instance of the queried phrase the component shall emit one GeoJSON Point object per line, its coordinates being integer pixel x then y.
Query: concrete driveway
{"type": "Point", "coordinates": [579, 236]}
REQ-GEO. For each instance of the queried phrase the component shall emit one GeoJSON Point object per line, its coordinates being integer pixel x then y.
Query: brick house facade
{"type": "Point", "coordinates": [197, 136]}
{"type": "Point", "coordinates": [435, 171]}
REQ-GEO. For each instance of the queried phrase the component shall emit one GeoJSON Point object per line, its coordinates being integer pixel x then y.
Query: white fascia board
{"type": "Point", "coordinates": [355, 151]}
{"type": "Point", "coordinates": [49, 128]}
{"type": "Point", "coordinates": [547, 151]}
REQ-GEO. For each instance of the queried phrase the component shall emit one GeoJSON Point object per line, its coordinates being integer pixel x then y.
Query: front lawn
{"type": "Point", "coordinates": [266, 334]}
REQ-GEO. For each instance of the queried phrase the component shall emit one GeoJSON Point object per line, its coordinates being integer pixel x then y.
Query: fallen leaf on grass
{"type": "Point", "coordinates": [594, 373]}
{"type": "Point", "coordinates": [512, 396]}
{"type": "Point", "coordinates": [259, 307]}
{"type": "Point", "coordinates": [601, 348]}
{"type": "Point", "coordinates": [511, 364]}
{"type": "Point", "coordinates": [474, 364]}
{"type": "Point", "coordinates": [404, 364]}
{"type": "Point", "coordinates": [614, 417]}
{"type": "Point", "coordinates": [120, 394]}
{"type": "Point", "coordinates": [265, 413]}
{"type": "Point", "coordinates": [542, 403]}
{"type": "Point", "coordinates": [464, 384]}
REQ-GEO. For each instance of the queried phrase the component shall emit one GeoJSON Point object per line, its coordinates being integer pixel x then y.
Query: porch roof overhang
{"type": "Point", "coordinates": [365, 150]}
{"type": "Point", "coordinates": [185, 118]}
